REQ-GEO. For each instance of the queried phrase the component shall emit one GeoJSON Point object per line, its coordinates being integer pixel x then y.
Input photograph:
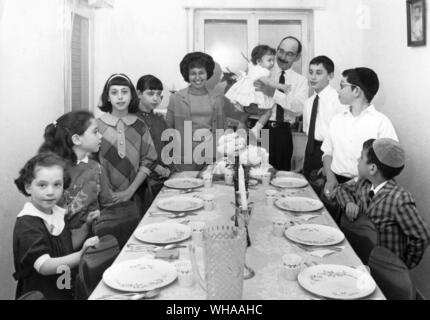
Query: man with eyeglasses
{"type": "Point", "coordinates": [289, 104]}
{"type": "Point", "coordinates": [350, 129]}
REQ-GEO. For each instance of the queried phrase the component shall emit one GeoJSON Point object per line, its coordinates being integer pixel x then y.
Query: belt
{"type": "Point", "coordinates": [274, 124]}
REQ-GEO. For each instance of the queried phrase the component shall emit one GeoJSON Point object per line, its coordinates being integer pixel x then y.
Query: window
{"type": "Point", "coordinates": [227, 34]}
{"type": "Point", "coordinates": [78, 72]}
{"type": "Point", "coordinates": [80, 63]}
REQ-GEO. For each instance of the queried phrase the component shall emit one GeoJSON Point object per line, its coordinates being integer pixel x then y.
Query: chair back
{"type": "Point", "coordinates": [361, 234]}
{"type": "Point", "coordinates": [391, 274]}
{"type": "Point", "coordinates": [32, 295]}
{"type": "Point", "coordinates": [93, 264]}
{"type": "Point", "coordinates": [119, 220]}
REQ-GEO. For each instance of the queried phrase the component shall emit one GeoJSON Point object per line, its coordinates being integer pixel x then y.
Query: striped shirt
{"type": "Point", "coordinates": [126, 149]}
{"type": "Point", "coordinates": [393, 211]}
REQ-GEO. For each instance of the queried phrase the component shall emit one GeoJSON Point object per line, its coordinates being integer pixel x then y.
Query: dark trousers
{"type": "Point", "coordinates": [280, 144]}
{"type": "Point", "coordinates": [311, 165]}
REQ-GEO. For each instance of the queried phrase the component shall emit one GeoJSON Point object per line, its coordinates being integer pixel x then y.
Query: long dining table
{"type": "Point", "coordinates": [264, 255]}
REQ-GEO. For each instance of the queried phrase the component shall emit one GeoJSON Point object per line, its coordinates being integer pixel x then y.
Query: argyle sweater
{"type": "Point", "coordinates": [126, 149]}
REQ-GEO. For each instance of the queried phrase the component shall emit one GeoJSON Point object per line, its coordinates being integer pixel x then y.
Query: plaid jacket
{"type": "Point", "coordinates": [126, 149]}
{"type": "Point", "coordinates": [393, 211]}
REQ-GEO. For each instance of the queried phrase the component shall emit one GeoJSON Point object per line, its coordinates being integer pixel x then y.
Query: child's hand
{"type": "Point", "coordinates": [162, 171]}
{"type": "Point", "coordinates": [329, 189]}
{"type": "Point", "coordinates": [165, 172]}
{"type": "Point", "coordinates": [351, 211]}
{"type": "Point", "coordinates": [122, 196]}
{"type": "Point", "coordinates": [91, 242]}
{"type": "Point", "coordinates": [92, 216]}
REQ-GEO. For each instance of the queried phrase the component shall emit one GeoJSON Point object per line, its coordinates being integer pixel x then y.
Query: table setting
{"type": "Point", "coordinates": [227, 240]}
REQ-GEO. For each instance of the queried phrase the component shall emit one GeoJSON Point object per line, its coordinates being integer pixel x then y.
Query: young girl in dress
{"type": "Point", "coordinates": [75, 137]}
{"type": "Point", "coordinates": [127, 151]}
{"type": "Point", "coordinates": [44, 250]}
{"type": "Point", "coordinates": [243, 94]}
{"type": "Point", "coordinates": [149, 91]}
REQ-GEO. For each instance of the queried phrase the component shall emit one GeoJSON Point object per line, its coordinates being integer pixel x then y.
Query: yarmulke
{"type": "Point", "coordinates": [367, 80]}
{"type": "Point", "coordinates": [389, 152]}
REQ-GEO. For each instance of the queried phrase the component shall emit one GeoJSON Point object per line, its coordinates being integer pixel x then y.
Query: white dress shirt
{"type": "Point", "coordinates": [328, 106]}
{"type": "Point", "coordinates": [293, 102]}
{"type": "Point", "coordinates": [347, 135]}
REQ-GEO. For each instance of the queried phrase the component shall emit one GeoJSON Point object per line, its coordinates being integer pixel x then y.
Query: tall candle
{"type": "Point", "coordinates": [242, 189]}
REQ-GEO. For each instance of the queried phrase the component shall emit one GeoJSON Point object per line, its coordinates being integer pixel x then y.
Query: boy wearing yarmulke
{"type": "Point", "coordinates": [390, 207]}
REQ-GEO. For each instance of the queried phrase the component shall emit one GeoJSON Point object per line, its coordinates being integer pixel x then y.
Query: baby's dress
{"type": "Point", "coordinates": [243, 92]}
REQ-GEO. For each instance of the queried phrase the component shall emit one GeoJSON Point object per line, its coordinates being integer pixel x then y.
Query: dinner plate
{"type": "Point", "coordinates": [183, 183]}
{"type": "Point", "coordinates": [163, 233]}
{"type": "Point", "coordinates": [289, 174]}
{"type": "Point", "coordinates": [299, 204]}
{"type": "Point", "coordinates": [314, 234]}
{"type": "Point", "coordinates": [289, 182]}
{"type": "Point", "coordinates": [337, 281]}
{"type": "Point", "coordinates": [180, 204]}
{"type": "Point", "coordinates": [139, 275]}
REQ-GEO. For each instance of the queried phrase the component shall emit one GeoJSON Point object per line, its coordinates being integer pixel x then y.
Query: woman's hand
{"type": "Point", "coordinates": [122, 196]}
{"type": "Point", "coordinates": [91, 242]}
{"type": "Point", "coordinates": [351, 211]}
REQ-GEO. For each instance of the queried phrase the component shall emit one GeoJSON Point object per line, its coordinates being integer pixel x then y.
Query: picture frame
{"type": "Point", "coordinates": [416, 22]}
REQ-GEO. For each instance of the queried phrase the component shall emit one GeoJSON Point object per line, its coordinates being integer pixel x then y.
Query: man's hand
{"type": "Point", "coordinates": [351, 211]}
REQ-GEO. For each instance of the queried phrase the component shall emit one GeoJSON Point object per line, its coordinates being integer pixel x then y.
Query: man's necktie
{"type": "Point", "coordinates": [311, 132]}
{"type": "Point", "coordinates": [370, 196]}
{"type": "Point", "coordinates": [279, 109]}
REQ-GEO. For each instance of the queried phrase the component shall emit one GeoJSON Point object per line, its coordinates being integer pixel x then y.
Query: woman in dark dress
{"type": "Point", "coordinates": [45, 255]}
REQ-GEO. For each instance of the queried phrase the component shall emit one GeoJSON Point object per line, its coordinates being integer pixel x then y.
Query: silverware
{"type": "Point", "coordinates": [315, 248]}
{"type": "Point", "coordinates": [131, 247]}
{"type": "Point", "coordinates": [132, 296]}
{"type": "Point", "coordinates": [181, 215]}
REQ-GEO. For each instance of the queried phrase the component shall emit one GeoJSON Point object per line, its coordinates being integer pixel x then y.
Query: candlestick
{"type": "Point", "coordinates": [242, 190]}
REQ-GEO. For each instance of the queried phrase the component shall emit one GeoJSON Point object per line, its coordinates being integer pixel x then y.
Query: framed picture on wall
{"type": "Point", "coordinates": [416, 18]}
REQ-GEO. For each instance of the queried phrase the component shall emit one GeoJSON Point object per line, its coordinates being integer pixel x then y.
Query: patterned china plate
{"type": "Point", "coordinates": [163, 233]}
{"type": "Point", "coordinates": [183, 183]}
{"type": "Point", "coordinates": [299, 204]}
{"type": "Point", "coordinates": [289, 182]}
{"type": "Point", "coordinates": [314, 235]}
{"type": "Point", "coordinates": [337, 281]}
{"type": "Point", "coordinates": [139, 275]}
{"type": "Point", "coordinates": [180, 204]}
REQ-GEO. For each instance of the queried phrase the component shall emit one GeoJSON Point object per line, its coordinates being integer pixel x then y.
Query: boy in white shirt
{"type": "Point", "coordinates": [351, 128]}
{"type": "Point", "coordinates": [318, 112]}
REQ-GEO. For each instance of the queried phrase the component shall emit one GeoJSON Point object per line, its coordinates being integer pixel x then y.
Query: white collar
{"type": "Point", "coordinates": [111, 120]}
{"type": "Point", "coordinates": [324, 92]}
{"type": "Point", "coordinates": [381, 185]}
{"type": "Point", "coordinates": [54, 222]}
{"type": "Point", "coordinates": [84, 160]}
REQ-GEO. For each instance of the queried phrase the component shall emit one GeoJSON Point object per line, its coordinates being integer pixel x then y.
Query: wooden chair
{"type": "Point", "coordinates": [32, 295]}
{"type": "Point", "coordinates": [391, 275]}
{"type": "Point", "coordinates": [361, 234]}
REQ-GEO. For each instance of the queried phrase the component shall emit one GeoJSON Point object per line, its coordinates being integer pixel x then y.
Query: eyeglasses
{"type": "Point", "coordinates": [289, 54]}
{"type": "Point", "coordinates": [345, 84]}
